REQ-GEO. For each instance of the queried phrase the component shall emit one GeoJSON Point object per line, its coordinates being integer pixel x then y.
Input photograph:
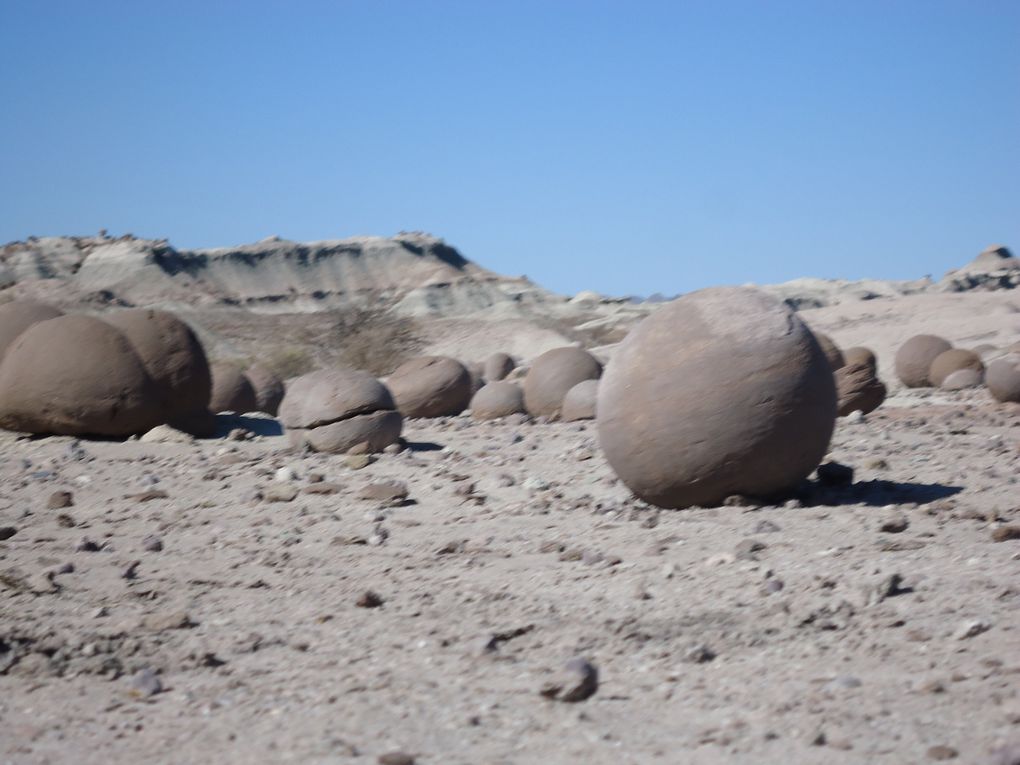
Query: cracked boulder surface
{"type": "Point", "coordinates": [334, 410]}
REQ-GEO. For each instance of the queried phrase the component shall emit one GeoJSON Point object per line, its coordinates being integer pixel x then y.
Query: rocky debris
{"type": "Point", "coordinates": [269, 388]}
{"type": "Point", "coordinates": [580, 401]}
{"type": "Point", "coordinates": [497, 399]}
{"type": "Point", "coordinates": [231, 390]}
{"type": "Point", "coordinates": [336, 410]}
{"type": "Point", "coordinates": [994, 268]}
{"type": "Point", "coordinates": [18, 315]}
{"type": "Point", "coordinates": [858, 389]}
{"type": "Point", "coordinates": [1003, 379]}
{"type": "Point", "coordinates": [954, 360]}
{"type": "Point", "coordinates": [915, 357]}
{"type": "Point", "coordinates": [577, 681]}
{"type": "Point", "coordinates": [76, 375]}
{"type": "Point", "coordinates": [1006, 533]}
{"type": "Point", "coordinates": [431, 386]}
{"type": "Point", "coordinates": [497, 367]}
{"type": "Point", "coordinates": [553, 374]}
{"type": "Point", "coordinates": [724, 391]}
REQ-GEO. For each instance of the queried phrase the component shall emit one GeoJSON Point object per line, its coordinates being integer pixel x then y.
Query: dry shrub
{"type": "Point", "coordinates": [292, 361]}
{"type": "Point", "coordinates": [376, 340]}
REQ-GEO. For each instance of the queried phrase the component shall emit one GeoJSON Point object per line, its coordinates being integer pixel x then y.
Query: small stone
{"type": "Point", "coordinates": [285, 473]}
{"type": "Point", "coordinates": [699, 654]}
{"type": "Point", "coordinates": [1005, 533]}
{"type": "Point", "coordinates": [166, 620]}
{"type": "Point", "coordinates": [835, 474]}
{"type": "Point", "coordinates": [131, 570]}
{"type": "Point", "coordinates": [323, 488]}
{"type": "Point", "coordinates": [145, 683]}
{"type": "Point", "coordinates": [396, 758]}
{"type": "Point", "coordinates": [766, 527]}
{"type": "Point", "coordinates": [60, 499]}
{"type": "Point", "coordinates": [358, 461]}
{"type": "Point", "coordinates": [152, 543]}
{"type": "Point", "coordinates": [843, 682]}
{"type": "Point", "coordinates": [396, 448]}
{"type": "Point", "coordinates": [971, 629]}
{"type": "Point", "coordinates": [388, 492]}
{"type": "Point", "coordinates": [894, 524]}
{"type": "Point", "coordinates": [87, 545]}
{"type": "Point", "coordinates": [6, 532]}
{"type": "Point", "coordinates": [942, 752]}
{"type": "Point", "coordinates": [747, 549]}
{"type": "Point", "coordinates": [280, 492]}
{"type": "Point", "coordinates": [369, 599]}
{"type": "Point", "coordinates": [579, 680]}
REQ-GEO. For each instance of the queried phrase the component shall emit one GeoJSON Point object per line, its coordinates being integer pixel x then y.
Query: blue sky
{"type": "Point", "coordinates": [625, 147]}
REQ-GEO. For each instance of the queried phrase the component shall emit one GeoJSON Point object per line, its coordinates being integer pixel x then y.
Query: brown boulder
{"type": "Point", "coordinates": [231, 390]}
{"type": "Point", "coordinates": [18, 315]}
{"type": "Point", "coordinates": [173, 357]}
{"type": "Point", "coordinates": [1003, 379]}
{"type": "Point", "coordinates": [268, 386]}
{"type": "Point", "coordinates": [498, 366]}
{"type": "Point", "coordinates": [860, 355]}
{"type": "Point", "coordinates": [553, 374]}
{"type": "Point", "coordinates": [431, 386]}
{"type": "Point", "coordinates": [858, 389]}
{"type": "Point", "coordinates": [723, 391]}
{"type": "Point", "coordinates": [914, 359]}
{"type": "Point", "coordinates": [962, 379]}
{"type": "Point", "coordinates": [951, 361]}
{"type": "Point", "coordinates": [335, 410]}
{"type": "Point", "coordinates": [831, 350]}
{"type": "Point", "coordinates": [580, 401]}
{"type": "Point", "coordinates": [76, 375]}
{"type": "Point", "coordinates": [497, 399]}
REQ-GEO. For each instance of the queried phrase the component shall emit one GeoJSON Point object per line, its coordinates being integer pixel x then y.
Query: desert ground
{"type": "Point", "coordinates": [239, 600]}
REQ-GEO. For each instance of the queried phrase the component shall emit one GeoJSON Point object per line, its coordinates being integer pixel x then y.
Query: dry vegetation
{"type": "Point", "coordinates": [374, 339]}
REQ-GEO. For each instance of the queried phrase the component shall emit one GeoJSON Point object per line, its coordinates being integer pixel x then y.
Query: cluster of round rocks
{"type": "Point", "coordinates": [926, 361]}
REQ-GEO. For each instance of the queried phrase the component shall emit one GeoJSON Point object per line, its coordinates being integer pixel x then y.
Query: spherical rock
{"type": "Point", "coordinates": [497, 399]}
{"type": "Point", "coordinates": [858, 389]}
{"type": "Point", "coordinates": [832, 351]}
{"type": "Point", "coordinates": [724, 391]}
{"type": "Point", "coordinates": [18, 315]}
{"type": "Point", "coordinates": [333, 410]}
{"type": "Point", "coordinates": [914, 358]}
{"type": "Point", "coordinates": [172, 355]}
{"type": "Point", "coordinates": [580, 401]}
{"type": "Point", "coordinates": [498, 366]}
{"type": "Point", "coordinates": [231, 390]}
{"type": "Point", "coordinates": [962, 379]}
{"type": "Point", "coordinates": [553, 374]}
{"type": "Point", "coordinates": [860, 355]}
{"type": "Point", "coordinates": [476, 372]}
{"type": "Point", "coordinates": [76, 375]}
{"type": "Point", "coordinates": [431, 386]}
{"type": "Point", "coordinates": [951, 361]}
{"type": "Point", "coordinates": [268, 386]}
{"type": "Point", "coordinates": [1003, 378]}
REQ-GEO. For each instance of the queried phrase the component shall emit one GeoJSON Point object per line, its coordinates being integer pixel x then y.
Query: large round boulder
{"type": "Point", "coordinates": [18, 315]}
{"type": "Point", "coordinates": [431, 386]}
{"type": "Point", "coordinates": [553, 374]}
{"type": "Point", "coordinates": [173, 357]}
{"type": "Point", "coordinates": [580, 401]}
{"type": "Point", "coordinates": [723, 391]}
{"type": "Point", "coordinates": [860, 355]}
{"type": "Point", "coordinates": [498, 366]}
{"type": "Point", "coordinates": [858, 389]}
{"type": "Point", "coordinates": [269, 388]}
{"type": "Point", "coordinates": [231, 390]}
{"type": "Point", "coordinates": [962, 379]}
{"type": "Point", "coordinates": [76, 375]}
{"type": "Point", "coordinates": [497, 399]}
{"type": "Point", "coordinates": [951, 361]}
{"type": "Point", "coordinates": [914, 359]}
{"type": "Point", "coordinates": [1003, 378]}
{"type": "Point", "coordinates": [831, 350]}
{"type": "Point", "coordinates": [334, 410]}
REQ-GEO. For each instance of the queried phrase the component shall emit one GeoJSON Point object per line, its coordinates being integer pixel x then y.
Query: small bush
{"type": "Point", "coordinates": [375, 339]}
{"type": "Point", "coordinates": [289, 362]}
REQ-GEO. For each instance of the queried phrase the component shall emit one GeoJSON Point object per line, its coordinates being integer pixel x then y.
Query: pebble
{"type": "Point", "coordinates": [396, 758]}
{"type": "Point", "coordinates": [152, 543]}
{"type": "Point", "coordinates": [894, 524]}
{"type": "Point", "coordinates": [971, 629]}
{"type": "Point", "coordinates": [145, 683]}
{"type": "Point", "coordinates": [390, 492]}
{"type": "Point", "coordinates": [281, 492]}
{"type": "Point", "coordinates": [579, 680]}
{"type": "Point", "coordinates": [60, 499]}
{"type": "Point", "coordinates": [1005, 533]}
{"type": "Point", "coordinates": [358, 461]}
{"type": "Point", "coordinates": [766, 527]}
{"type": "Point", "coordinates": [285, 473]}
{"type": "Point", "coordinates": [942, 752]}
{"type": "Point", "coordinates": [166, 620]}
{"type": "Point", "coordinates": [6, 532]}
{"type": "Point", "coordinates": [747, 549]}
{"type": "Point", "coordinates": [369, 599]}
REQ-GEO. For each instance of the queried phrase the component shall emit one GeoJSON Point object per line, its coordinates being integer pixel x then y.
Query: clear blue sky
{"type": "Point", "coordinates": [626, 147]}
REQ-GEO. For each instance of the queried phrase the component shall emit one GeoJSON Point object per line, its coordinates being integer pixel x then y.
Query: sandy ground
{"type": "Point", "coordinates": [878, 622]}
